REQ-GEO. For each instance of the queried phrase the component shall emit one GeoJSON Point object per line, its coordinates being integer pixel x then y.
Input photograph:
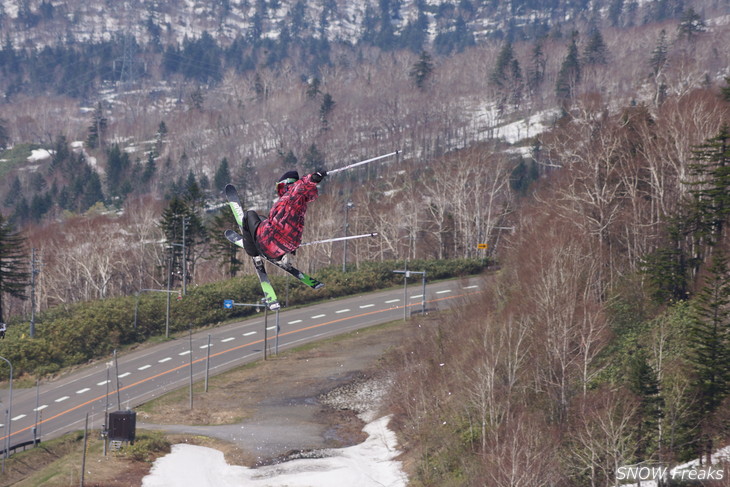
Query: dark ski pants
{"type": "Point", "coordinates": [251, 221]}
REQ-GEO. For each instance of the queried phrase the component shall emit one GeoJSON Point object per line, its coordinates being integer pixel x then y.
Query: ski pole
{"type": "Point", "coordinates": [363, 162]}
{"type": "Point", "coordinates": [337, 239]}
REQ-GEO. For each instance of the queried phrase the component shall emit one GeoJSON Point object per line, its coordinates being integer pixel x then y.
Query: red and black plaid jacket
{"type": "Point", "coordinates": [281, 233]}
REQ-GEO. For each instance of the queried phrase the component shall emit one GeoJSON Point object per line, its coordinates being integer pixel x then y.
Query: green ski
{"type": "Point", "coordinates": [270, 299]}
{"type": "Point", "coordinates": [236, 239]}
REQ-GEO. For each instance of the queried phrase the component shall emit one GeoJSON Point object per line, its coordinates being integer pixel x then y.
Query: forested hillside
{"type": "Point", "coordinates": [90, 174]}
{"type": "Point", "coordinates": [586, 144]}
{"type": "Point", "coordinates": [605, 339]}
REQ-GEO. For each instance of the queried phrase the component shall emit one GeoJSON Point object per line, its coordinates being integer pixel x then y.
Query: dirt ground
{"type": "Point", "coordinates": [275, 410]}
{"type": "Point", "coordinates": [287, 407]}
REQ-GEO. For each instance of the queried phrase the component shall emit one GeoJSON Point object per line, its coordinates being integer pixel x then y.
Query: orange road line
{"type": "Point", "coordinates": [175, 369]}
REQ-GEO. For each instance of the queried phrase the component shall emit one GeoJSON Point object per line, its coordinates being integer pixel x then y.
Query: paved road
{"type": "Point", "coordinates": [58, 407]}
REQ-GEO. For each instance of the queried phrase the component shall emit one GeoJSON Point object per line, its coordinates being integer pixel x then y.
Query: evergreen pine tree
{"type": "Point", "coordinates": [536, 73]}
{"type": "Point", "coordinates": [313, 159]}
{"type": "Point", "coordinates": [643, 381]}
{"type": "Point", "coordinates": [247, 178]}
{"type": "Point", "coordinates": [415, 33]}
{"type": "Point", "coordinates": [98, 127]}
{"type": "Point", "coordinates": [204, 183]}
{"type": "Point", "coordinates": [422, 70]}
{"type": "Point", "coordinates": [197, 99]}
{"type": "Point", "coordinates": [515, 92]}
{"type": "Point", "coordinates": [385, 37]}
{"type": "Point", "coordinates": [221, 248]}
{"type": "Point", "coordinates": [711, 184]}
{"type": "Point", "coordinates": [691, 24]}
{"type": "Point", "coordinates": [668, 267]}
{"type": "Point", "coordinates": [369, 26]}
{"type": "Point", "coordinates": [596, 52]}
{"type": "Point", "coordinates": [570, 73]}
{"type": "Point", "coordinates": [91, 192]}
{"type": "Point", "coordinates": [177, 214]}
{"type": "Point", "coordinates": [21, 212]}
{"type": "Point", "coordinates": [710, 343]}
{"type": "Point", "coordinates": [660, 54]}
{"type": "Point", "coordinates": [289, 160]}
{"type": "Point", "coordinates": [259, 88]}
{"type": "Point", "coordinates": [13, 264]}
{"type": "Point", "coordinates": [4, 137]}
{"type": "Point", "coordinates": [118, 165]}
{"type": "Point", "coordinates": [194, 196]}
{"type": "Point", "coordinates": [523, 175]}
{"type": "Point", "coordinates": [61, 153]}
{"type": "Point", "coordinates": [39, 206]}
{"type": "Point", "coordinates": [222, 175]}
{"type": "Point", "coordinates": [150, 168]}
{"type": "Point", "coordinates": [171, 224]}
{"type": "Point", "coordinates": [501, 72]}
{"type": "Point", "coordinates": [15, 190]}
{"type": "Point", "coordinates": [298, 22]}
{"type": "Point", "coordinates": [160, 137]}
{"type": "Point", "coordinates": [614, 12]}
{"type": "Point", "coordinates": [328, 104]}
{"type": "Point", "coordinates": [725, 90]}
{"type": "Point", "coordinates": [313, 88]}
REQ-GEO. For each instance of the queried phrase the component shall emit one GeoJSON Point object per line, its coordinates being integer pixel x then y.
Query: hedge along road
{"type": "Point", "coordinates": [61, 406]}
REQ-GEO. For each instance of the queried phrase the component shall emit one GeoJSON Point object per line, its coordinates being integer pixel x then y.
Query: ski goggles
{"type": "Point", "coordinates": [281, 184]}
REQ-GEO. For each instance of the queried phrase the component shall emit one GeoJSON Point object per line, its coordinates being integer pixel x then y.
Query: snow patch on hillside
{"type": "Point", "coordinates": [371, 463]}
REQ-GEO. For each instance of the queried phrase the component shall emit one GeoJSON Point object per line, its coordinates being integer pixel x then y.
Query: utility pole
{"type": "Point", "coordinates": [8, 416]}
{"type": "Point", "coordinates": [34, 271]}
{"type": "Point", "coordinates": [348, 205]}
{"type": "Point", "coordinates": [167, 313]}
{"type": "Point", "coordinates": [184, 257]}
{"type": "Point", "coordinates": [190, 337]}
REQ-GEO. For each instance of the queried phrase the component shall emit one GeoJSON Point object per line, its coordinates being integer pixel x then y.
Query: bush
{"type": "Point", "coordinates": [75, 334]}
{"type": "Point", "coordinates": [147, 447]}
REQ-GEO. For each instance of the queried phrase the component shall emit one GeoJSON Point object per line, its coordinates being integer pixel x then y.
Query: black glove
{"type": "Point", "coordinates": [318, 176]}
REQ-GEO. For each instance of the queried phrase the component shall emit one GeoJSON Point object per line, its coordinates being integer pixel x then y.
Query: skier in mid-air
{"type": "Point", "coordinates": [281, 233]}
{"type": "Point", "coordinates": [275, 238]}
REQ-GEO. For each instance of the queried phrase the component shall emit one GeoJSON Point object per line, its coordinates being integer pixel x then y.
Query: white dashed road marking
{"type": "Point", "coordinates": [102, 382]}
{"type": "Point", "coordinates": [249, 333]}
{"type": "Point", "coordinates": [342, 310]}
{"type": "Point", "coordinates": [19, 417]}
{"type": "Point", "coordinates": [294, 322]}
{"type": "Point", "coordinates": [367, 306]}
{"type": "Point", "coordinates": [61, 399]}
{"type": "Point", "coordinates": [444, 291]}
{"type": "Point", "coordinates": [318, 316]}
{"type": "Point", "coordinates": [165, 360]}
{"type": "Point", "coordinates": [144, 367]}
{"type": "Point", "coordinates": [41, 408]}
{"type": "Point", "coordinates": [392, 301]}
{"type": "Point", "coordinates": [471, 287]}
{"type": "Point", "coordinates": [122, 376]}
{"type": "Point", "coordinates": [81, 391]}
{"type": "Point", "coordinates": [184, 353]}
{"type": "Point", "coordinates": [228, 339]}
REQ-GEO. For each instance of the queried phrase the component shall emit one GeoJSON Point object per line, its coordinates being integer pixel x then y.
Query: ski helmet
{"type": "Point", "coordinates": [285, 180]}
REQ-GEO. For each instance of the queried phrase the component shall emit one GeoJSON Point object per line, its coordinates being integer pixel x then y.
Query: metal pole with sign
{"type": "Point", "coordinates": [483, 246]}
{"type": "Point", "coordinates": [229, 304]}
{"type": "Point", "coordinates": [406, 274]}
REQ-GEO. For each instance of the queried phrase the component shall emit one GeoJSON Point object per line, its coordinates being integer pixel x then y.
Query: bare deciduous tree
{"type": "Point", "coordinates": [601, 438]}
